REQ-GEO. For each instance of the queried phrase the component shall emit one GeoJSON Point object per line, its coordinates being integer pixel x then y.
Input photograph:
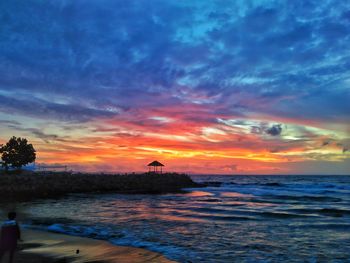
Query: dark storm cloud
{"type": "Point", "coordinates": [263, 128]}
{"type": "Point", "coordinates": [275, 130]}
{"type": "Point", "coordinates": [280, 58]}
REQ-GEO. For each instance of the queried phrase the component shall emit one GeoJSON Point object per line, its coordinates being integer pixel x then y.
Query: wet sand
{"type": "Point", "coordinates": [40, 246]}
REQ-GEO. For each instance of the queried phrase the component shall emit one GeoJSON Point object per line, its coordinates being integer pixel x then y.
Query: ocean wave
{"type": "Point", "coordinates": [123, 238]}
{"type": "Point", "coordinates": [274, 184]}
{"type": "Point", "coordinates": [226, 218]}
{"type": "Point", "coordinates": [306, 198]}
{"type": "Point", "coordinates": [334, 212]}
{"type": "Point", "coordinates": [210, 200]}
{"type": "Point", "coordinates": [282, 193]}
{"type": "Point", "coordinates": [281, 215]}
{"type": "Point", "coordinates": [96, 232]}
{"type": "Point", "coordinates": [169, 250]}
{"type": "Point", "coordinates": [259, 187]}
{"type": "Point", "coordinates": [343, 227]}
{"type": "Point", "coordinates": [290, 215]}
{"type": "Point", "coordinates": [212, 183]}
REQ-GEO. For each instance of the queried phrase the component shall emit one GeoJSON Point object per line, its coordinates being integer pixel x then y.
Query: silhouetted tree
{"type": "Point", "coordinates": [16, 153]}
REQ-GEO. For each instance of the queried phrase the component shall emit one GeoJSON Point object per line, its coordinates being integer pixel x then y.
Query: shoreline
{"type": "Point", "coordinates": [42, 246]}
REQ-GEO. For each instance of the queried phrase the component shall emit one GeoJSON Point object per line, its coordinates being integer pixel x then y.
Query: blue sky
{"type": "Point", "coordinates": [263, 77]}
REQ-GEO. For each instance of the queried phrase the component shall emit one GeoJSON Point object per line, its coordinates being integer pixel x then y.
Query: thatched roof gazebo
{"type": "Point", "coordinates": [155, 165]}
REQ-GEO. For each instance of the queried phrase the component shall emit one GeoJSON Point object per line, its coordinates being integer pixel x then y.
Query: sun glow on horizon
{"type": "Point", "coordinates": [230, 87]}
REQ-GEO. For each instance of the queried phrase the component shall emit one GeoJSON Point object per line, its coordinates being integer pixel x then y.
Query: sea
{"type": "Point", "coordinates": [234, 219]}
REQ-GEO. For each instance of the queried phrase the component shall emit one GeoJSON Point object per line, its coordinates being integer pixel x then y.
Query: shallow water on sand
{"type": "Point", "coordinates": [237, 219]}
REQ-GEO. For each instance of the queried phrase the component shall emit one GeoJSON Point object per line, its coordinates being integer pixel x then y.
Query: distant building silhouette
{"type": "Point", "coordinates": [52, 168]}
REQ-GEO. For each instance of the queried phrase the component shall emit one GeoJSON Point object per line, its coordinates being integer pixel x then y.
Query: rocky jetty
{"type": "Point", "coordinates": [42, 185]}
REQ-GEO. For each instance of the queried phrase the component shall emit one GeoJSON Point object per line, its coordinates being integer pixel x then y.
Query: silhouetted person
{"type": "Point", "coordinates": [10, 233]}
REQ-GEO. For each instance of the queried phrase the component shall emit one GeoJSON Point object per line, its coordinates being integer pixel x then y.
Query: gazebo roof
{"type": "Point", "coordinates": [155, 163]}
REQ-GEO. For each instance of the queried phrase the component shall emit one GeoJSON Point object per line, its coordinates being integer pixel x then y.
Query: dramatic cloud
{"type": "Point", "coordinates": [274, 130]}
{"type": "Point", "coordinates": [224, 78]}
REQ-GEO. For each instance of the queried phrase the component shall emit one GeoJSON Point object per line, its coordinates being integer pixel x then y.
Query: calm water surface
{"type": "Point", "coordinates": [243, 219]}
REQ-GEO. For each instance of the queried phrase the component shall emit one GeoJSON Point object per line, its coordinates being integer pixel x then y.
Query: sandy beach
{"type": "Point", "coordinates": [40, 246]}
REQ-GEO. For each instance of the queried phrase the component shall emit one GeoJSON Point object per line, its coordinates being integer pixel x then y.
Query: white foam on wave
{"type": "Point", "coordinates": [285, 190]}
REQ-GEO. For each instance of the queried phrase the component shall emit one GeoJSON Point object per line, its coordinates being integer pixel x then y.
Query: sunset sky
{"type": "Point", "coordinates": [224, 87]}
